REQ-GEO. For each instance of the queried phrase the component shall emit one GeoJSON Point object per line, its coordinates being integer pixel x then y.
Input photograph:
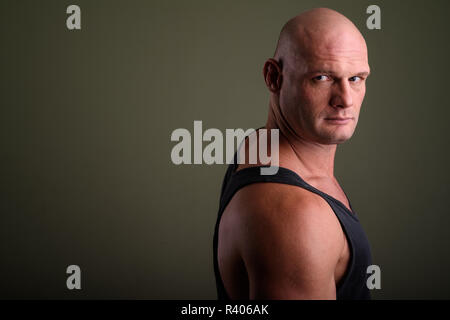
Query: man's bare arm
{"type": "Point", "coordinates": [290, 244]}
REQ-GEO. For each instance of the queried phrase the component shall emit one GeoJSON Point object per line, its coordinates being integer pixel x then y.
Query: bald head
{"type": "Point", "coordinates": [316, 32]}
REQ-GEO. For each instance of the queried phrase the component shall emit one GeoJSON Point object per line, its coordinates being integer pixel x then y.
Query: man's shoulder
{"type": "Point", "coordinates": [270, 197]}
{"type": "Point", "coordinates": [284, 207]}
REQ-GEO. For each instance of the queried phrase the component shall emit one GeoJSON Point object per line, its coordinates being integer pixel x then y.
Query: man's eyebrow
{"type": "Point", "coordinates": [321, 71]}
{"type": "Point", "coordinates": [359, 74]}
{"type": "Point", "coordinates": [363, 74]}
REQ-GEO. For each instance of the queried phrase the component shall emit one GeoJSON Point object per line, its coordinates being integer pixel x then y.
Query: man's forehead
{"type": "Point", "coordinates": [335, 59]}
{"type": "Point", "coordinates": [344, 45]}
{"type": "Point", "coordinates": [340, 41]}
{"type": "Point", "coordinates": [337, 66]}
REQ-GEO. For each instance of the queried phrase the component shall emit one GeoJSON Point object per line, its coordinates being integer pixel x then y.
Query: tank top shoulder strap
{"type": "Point", "coordinates": [235, 180]}
{"type": "Point", "coordinates": [239, 179]}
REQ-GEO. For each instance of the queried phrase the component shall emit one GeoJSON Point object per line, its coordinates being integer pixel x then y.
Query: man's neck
{"type": "Point", "coordinates": [311, 159]}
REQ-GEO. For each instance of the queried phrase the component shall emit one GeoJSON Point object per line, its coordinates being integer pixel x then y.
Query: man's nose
{"type": "Point", "coordinates": [342, 95]}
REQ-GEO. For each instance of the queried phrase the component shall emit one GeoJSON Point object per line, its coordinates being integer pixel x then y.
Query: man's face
{"type": "Point", "coordinates": [324, 83]}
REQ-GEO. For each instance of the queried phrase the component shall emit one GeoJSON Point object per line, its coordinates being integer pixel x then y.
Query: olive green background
{"type": "Point", "coordinates": [86, 118]}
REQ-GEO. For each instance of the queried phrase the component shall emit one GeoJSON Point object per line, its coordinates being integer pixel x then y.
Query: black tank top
{"type": "Point", "coordinates": [353, 283]}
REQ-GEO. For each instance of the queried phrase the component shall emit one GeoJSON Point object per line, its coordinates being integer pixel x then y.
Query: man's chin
{"type": "Point", "coordinates": [336, 139]}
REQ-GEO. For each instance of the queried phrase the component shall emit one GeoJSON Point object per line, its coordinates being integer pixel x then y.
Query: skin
{"type": "Point", "coordinates": [278, 241]}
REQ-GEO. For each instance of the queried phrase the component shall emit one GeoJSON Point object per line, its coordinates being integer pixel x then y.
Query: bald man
{"type": "Point", "coordinates": [294, 235]}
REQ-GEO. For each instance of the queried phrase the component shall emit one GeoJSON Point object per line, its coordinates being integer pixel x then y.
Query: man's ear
{"type": "Point", "coordinates": [272, 75]}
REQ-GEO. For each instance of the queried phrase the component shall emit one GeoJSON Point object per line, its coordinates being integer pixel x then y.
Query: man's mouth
{"type": "Point", "coordinates": [338, 120]}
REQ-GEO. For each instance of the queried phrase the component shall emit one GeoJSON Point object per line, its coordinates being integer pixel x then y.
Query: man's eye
{"type": "Point", "coordinates": [355, 79]}
{"type": "Point", "coordinates": [321, 78]}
